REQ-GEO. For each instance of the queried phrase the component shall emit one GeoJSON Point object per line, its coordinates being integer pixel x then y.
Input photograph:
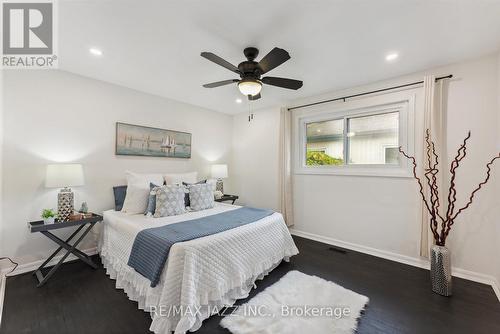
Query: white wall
{"type": "Point", "coordinates": [1, 167]}
{"type": "Point", "coordinates": [254, 167]}
{"type": "Point", "coordinates": [497, 183]}
{"type": "Point", "coordinates": [473, 105]}
{"type": "Point", "coordinates": [383, 213]}
{"type": "Point", "coordinates": [57, 116]}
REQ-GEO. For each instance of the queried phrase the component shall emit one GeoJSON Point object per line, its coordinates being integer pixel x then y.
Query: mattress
{"type": "Point", "coordinates": [201, 275]}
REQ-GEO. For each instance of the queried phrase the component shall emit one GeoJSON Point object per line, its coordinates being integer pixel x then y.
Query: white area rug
{"type": "Point", "coordinates": [298, 303]}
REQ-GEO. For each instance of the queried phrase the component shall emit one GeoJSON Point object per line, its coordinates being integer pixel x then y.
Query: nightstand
{"type": "Point", "coordinates": [226, 198]}
{"type": "Point", "coordinates": [39, 226]}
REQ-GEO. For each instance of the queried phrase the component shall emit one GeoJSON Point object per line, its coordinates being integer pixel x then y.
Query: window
{"type": "Point", "coordinates": [325, 143]}
{"type": "Point", "coordinates": [361, 140]}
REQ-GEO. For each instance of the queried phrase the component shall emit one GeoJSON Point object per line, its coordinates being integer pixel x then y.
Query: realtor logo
{"type": "Point", "coordinates": [28, 30]}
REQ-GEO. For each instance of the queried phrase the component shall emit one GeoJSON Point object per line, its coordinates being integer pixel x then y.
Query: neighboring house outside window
{"type": "Point", "coordinates": [391, 155]}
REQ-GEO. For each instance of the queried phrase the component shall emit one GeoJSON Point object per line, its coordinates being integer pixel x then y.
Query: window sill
{"type": "Point", "coordinates": [373, 171]}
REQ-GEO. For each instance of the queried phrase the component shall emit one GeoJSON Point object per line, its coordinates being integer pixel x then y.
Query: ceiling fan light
{"type": "Point", "coordinates": [250, 87]}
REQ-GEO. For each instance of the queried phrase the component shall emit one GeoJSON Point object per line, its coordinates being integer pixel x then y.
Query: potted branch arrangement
{"type": "Point", "coordinates": [442, 219]}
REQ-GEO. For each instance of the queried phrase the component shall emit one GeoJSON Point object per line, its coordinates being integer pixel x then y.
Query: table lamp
{"type": "Point", "coordinates": [64, 176]}
{"type": "Point", "coordinates": [219, 172]}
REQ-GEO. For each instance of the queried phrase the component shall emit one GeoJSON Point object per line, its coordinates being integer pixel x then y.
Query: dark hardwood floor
{"type": "Point", "coordinates": [79, 299]}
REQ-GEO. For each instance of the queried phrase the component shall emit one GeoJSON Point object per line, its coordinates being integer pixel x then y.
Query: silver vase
{"type": "Point", "coordinates": [441, 270]}
{"type": "Point", "coordinates": [219, 186]}
{"type": "Point", "coordinates": [65, 204]}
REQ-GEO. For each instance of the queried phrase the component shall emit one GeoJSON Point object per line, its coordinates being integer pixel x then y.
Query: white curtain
{"type": "Point", "coordinates": [285, 166]}
{"type": "Point", "coordinates": [434, 120]}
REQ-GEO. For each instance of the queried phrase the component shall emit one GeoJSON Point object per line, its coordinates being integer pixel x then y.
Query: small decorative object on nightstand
{"type": "Point", "coordinates": [64, 176]}
{"type": "Point", "coordinates": [49, 216]}
{"type": "Point", "coordinates": [84, 208]}
{"type": "Point", "coordinates": [226, 198]}
{"type": "Point", "coordinates": [219, 172]}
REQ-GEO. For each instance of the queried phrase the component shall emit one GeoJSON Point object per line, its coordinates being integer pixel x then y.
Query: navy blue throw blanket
{"type": "Point", "coordinates": [151, 246]}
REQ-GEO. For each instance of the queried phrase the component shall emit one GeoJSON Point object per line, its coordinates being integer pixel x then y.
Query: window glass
{"type": "Point", "coordinates": [325, 143]}
{"type": "Point", "coordinates": [391, 155]}
{"type": "Point", "coordinates": [373, 139]}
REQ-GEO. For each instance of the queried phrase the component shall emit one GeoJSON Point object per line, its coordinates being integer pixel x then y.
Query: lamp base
{"type": "Point", "coordinates": [65, 204]}
{"type": "Point", "coordinates": [219, 186]}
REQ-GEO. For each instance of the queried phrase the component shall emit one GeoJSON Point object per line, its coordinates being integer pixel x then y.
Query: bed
{"type": "Point", "coordinates": [201, 275]}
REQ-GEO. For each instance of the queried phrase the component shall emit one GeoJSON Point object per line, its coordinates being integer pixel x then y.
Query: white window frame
{"type": "Point", "coordinates": [402, 102]}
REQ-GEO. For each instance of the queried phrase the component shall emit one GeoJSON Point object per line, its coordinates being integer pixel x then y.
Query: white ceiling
{"type": "Point", "coordinates": [154, 46]}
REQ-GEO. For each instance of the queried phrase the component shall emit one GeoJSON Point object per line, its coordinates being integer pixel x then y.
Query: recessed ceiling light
{"type": "Point", "coordinates": [392, 56]}
{"type": "Point", "coordinates": [239, 100]}
{"type": "Point", "coordinates": [318, 131]}
{"type": "Point", "coordinates": [95, 52]}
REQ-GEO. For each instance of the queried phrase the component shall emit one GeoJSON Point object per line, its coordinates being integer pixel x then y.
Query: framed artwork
{"type": "Point", "coordinates": [151, 142]}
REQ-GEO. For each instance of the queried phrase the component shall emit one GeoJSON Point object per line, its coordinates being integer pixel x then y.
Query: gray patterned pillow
{"type": "Point", "coordinates": [201, 196]}
{"type": "Point", "coordinates": [169, 201]}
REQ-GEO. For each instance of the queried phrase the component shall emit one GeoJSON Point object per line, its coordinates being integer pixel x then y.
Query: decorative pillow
{"type": "Point", "coordinates": [136, 199]}
{"type": "Point", "coordinates": [169, 201]}
{"type": "Point", "coordinates": [186, 195]}
{"type": "Point", "coordinates": [144, 179]}
{"type": "Point", "coordinates": [201, 196]}
{"type": "Point", "coordinates": [150, 209]}
{"type": "Point", "coordinates": [180, 177]}
{"type": "Point", "coordinates": [119, 192]}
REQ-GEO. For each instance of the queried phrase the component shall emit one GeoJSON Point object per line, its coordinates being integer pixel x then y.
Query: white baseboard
{"type": "Point", "coordinates": [412, 261]}
{"type": "Point", "coordinates": [496, 287]}
{"type": "Point", "coordinates": [2, 294]}
{"type": "Point", "coordinates": [31, 266]}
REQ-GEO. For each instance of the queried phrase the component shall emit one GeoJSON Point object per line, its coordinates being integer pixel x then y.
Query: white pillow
{"type": "Point", "coordinates": [178, 178]}
{"type": "Point", "coordinates": [136, 200]}
{"type": "Point", "coordinates": [143, 179]}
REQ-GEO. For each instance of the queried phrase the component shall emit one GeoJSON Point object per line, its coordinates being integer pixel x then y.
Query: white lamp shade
{"type": "Point", "coordinates": [219, 171]}
{"type": "Point", "coordinates": [64, 175]}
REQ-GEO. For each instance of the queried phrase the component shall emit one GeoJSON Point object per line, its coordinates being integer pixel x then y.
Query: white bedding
{"type": "Point", "coordinates": [202, 274]}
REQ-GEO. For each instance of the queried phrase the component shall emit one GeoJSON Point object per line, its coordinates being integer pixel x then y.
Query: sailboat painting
{"type": "Point", "coordinates": [153, 142]}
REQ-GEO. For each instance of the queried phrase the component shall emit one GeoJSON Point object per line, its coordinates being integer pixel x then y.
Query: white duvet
{"type": "Point", "coordinates": [201, 275]}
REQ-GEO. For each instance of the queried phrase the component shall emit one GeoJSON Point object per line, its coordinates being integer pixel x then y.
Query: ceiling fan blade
{"type": "Point", "coordinates": [282, 82]}
{"type": "Point", "coordinates": [254, 97]}
{"type": "Point", "coordinates": [220, 83]}
{"type": "Point", "coordinates": [219, 61]}
{"type": "Point", "coordinates": [273, 59]}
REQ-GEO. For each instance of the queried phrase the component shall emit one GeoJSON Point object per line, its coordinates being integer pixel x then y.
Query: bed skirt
{"type": "Point", "coordinates": [138, 289]}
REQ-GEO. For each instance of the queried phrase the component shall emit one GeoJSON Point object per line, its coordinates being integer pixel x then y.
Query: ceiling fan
{"type": "Point", "coordinates": [250, 72]}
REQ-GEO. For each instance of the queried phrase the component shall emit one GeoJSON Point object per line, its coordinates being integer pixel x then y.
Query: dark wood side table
{"type": "Point", "coordinates": [226, 198]}
{"type": "Point", "coordinates": [39, 226]}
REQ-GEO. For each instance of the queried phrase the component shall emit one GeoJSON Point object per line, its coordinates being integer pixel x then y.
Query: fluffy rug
{"type": "Point", "coordinates": [298, 303]}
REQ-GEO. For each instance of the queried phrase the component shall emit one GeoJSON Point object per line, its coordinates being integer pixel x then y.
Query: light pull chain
{"type": "Point", "coordinates": [250, 113]}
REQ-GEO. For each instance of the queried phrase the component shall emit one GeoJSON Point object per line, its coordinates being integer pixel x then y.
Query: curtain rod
{"type": "Point", "coordinates": [367, 93]}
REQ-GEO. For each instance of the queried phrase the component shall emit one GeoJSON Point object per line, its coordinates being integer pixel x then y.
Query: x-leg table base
{"type": "Point", "coordinates": [70, 249]}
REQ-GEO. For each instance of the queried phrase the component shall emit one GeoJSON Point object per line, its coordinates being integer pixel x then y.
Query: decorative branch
{"type": "Point", "coordinates": [471, 197]}
{"type": "Point", "coordinates": [432, 203]}
{"type": "Point", "coordinates": [452, 193]}
{"type": "Point", "coordinates": [421, 190]}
